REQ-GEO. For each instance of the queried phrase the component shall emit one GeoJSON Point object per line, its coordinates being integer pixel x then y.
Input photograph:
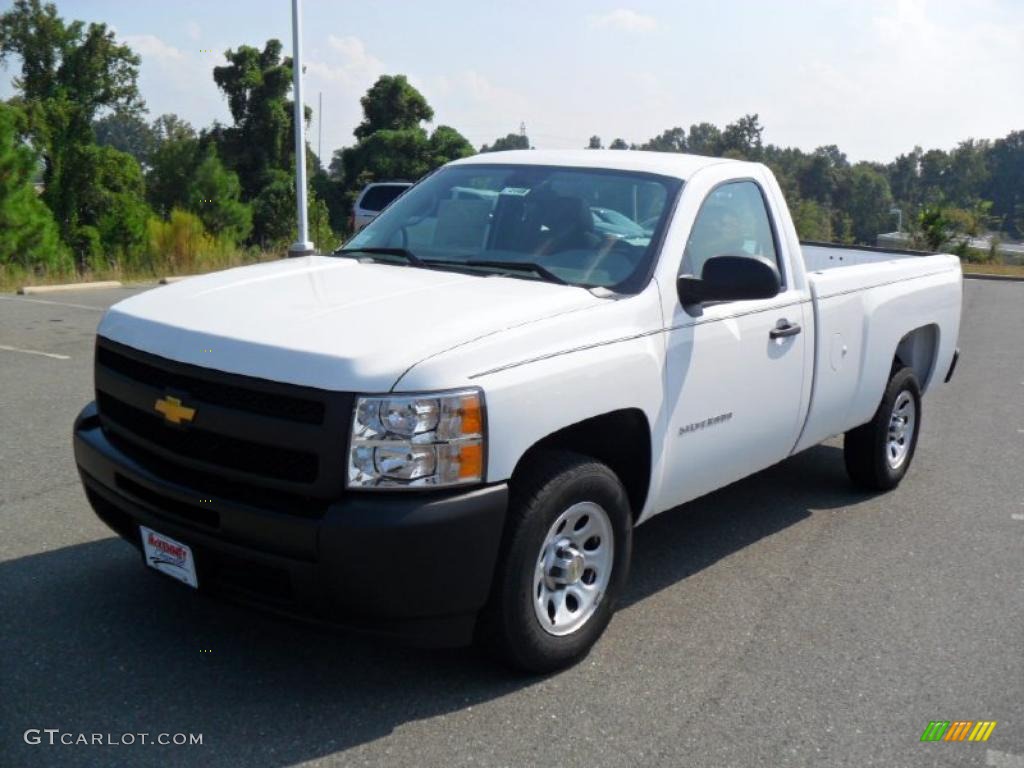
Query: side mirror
{"type": "Point", "coordinates": [730, 278]}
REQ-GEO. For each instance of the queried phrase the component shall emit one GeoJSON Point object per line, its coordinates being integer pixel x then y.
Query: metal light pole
{"type": "Point", "coordinates": [302, 246]}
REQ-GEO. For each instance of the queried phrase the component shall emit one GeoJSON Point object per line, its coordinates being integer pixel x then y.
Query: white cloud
{"type": "Point", "coordinates": [625, 19]}
{"type": "Point", "coordinates": [924, 74]}
{"type": "Point", "coordinates": [355, 58]}
{"type": "Point", "coordinates": [343, 73]}
{"type": "Point", "coordinates": [177, 80]}
{"type": "Point", "coordinates": [153, 47]}
{"type": "Point", "coordinates": [194, 30]}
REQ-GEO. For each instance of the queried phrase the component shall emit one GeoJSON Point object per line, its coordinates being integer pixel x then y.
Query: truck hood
{"type": "Point", "coordinates": [332, 323]}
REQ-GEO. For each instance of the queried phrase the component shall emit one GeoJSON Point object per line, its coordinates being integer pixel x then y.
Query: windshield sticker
{"type": "Point", "coordinates": [518, 191]}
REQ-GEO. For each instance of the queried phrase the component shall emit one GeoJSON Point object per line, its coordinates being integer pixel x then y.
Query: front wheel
{"type": "Point", "coordinates": [878, 454]}
{"type": "Point", "coordinates": [565, 562]}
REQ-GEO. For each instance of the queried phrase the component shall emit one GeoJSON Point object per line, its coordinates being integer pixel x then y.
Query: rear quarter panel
{"type": "Point", "coordinates": [861, 314]}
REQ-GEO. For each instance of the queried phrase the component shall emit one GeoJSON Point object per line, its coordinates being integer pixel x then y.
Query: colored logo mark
{"type": "Point", "coordinates": [173, 410]}
{"type": "Point", "coordinates": [958, 730]}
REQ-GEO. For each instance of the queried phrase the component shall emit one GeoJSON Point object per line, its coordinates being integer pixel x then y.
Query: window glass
{"type": "Point", "coordinates": [586, 226]}
{"type": "Point", "coordinates": [379, 197]}
{"type": "Point", "coordinates": [733, 221]}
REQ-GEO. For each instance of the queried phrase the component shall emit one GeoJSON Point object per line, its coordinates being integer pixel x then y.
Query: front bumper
{"type": "Point", "coordinates": [415, 565]}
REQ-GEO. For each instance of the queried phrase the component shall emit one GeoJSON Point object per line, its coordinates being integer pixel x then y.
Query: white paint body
{"type": "Point", "coordinates": [548, 356]}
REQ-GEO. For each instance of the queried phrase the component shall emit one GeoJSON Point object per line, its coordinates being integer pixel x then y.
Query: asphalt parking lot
{"type": "Point", "coordinates": [784, 620]}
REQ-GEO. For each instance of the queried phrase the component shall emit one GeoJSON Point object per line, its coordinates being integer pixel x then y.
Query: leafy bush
{"type": "Point", "coordinates": [273, 211]}
{"type": "Point", "coordinates": [179, 244]}
{"type": "Point", "coordinates": [28, 233]}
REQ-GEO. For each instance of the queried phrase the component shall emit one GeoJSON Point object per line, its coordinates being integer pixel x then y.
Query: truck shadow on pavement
{"type": "Point", "coordinates": [92, 644]}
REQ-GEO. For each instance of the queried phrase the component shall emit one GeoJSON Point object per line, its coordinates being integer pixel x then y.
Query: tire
{"type": "Point", "coordinates": [873, 461]}
{"type": "Point", "coordinates": [558, 497]}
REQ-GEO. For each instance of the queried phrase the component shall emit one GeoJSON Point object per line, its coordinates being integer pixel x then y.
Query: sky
{"type": "Point", "coordinates": [875, 77]}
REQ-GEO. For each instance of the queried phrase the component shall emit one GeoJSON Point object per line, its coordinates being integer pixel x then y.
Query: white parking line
{"type": "Point", "coordinates": [57, 303]}
{"type": "Point", "coordinates": [5, 348]}
{"type": "Point", "coordinates": [1017, 516]}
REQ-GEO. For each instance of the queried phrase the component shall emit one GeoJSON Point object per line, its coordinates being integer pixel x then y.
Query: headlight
{"type": "Point", "coordinates": [417, 441]}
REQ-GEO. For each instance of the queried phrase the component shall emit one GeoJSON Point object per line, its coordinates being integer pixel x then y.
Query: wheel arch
{"type": "Point", "coordinates": [918, 350]}
{"type": "Point", "coordinates": [620, 438]}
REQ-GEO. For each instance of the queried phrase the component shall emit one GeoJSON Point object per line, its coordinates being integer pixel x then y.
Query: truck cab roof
{"type": "Point", "coordinates": [675, 164]}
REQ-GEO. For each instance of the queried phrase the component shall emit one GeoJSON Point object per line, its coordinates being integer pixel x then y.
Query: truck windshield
{"type": "Point", "coordinates": [582, 226]}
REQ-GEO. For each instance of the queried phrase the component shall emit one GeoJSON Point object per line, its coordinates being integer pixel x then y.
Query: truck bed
{"type": "Point", "coordinates": [866, 301]}
{"type": "Point", "coordinates": [821, 256]}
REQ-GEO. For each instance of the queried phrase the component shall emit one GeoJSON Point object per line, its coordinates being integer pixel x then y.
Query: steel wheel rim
{"type": "Point", "coordinates": [902, 423]}
{"type": "Point", "coordinates": [573, 569]}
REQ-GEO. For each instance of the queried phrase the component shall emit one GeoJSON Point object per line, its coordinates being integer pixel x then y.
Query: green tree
{"type": "Point", "coordinates": [214, 194]}
{"type": "Point", "coordinates": [865, 197]}
{"type": "Point", "coordinates": [742, 138]}
{"type": "Point", "coordinates": [392, 104]}
{"type": "Point", "coordinates": [447, 144]}
{"type": "Point", "coordinates": [595, 143]}
{"type": "Point", "coordinates": [1005, 185]}
{"type": "Point", "coordinates": [618, 144]}
{"type": "Point", "coordinates": [260, 142]}
{"type": "Point", "coordinates": [904, 177]}
{"type": "Point", "coordinates": [812, 220]}
{"type": "Point", "coordinates": [967, 173]}
{"type": "Point", "coordinates": [936, 229]}
{"type": "Point", "coordinates": [511, 141]}
{"type": "Point", "coordinates": [273, 211]}
{"type": "Point", "coordinates": [934, 167]}
{"type": "Point", "coordinates": [402, 152]}
{"type": "Point", "coordinates": [69, 73]}
{"type": "Point", "coordinates": [274, 225]}
{"type": "Point", "coordinates": [670, 140]}
{"type": "Point", "coordinates": [818, 174]}
{"type": "Point", "coordinates": [704, 139]}
{"type": "Point", "coordinates": [28, 234]}
{"type": "Point", "coordinates": [126, 132]}
{"type": "Point", "coordinates": [172, 165]}
{"type": "Point", "coordinates": [170, 127]}
{"type": "Point", "coordinates": [113, 203]}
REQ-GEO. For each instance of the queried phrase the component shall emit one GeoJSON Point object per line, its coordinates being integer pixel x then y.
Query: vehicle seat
{"type": "Point", "coordinates": [462, 224]}
{"type": "Point", "coordinates": [565, 224]}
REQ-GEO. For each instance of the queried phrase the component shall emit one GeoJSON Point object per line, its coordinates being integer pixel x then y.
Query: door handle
{"type": "Point", "coordinates": [784, 328]}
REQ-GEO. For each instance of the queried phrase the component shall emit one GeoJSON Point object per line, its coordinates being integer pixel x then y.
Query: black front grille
{"type": "Point", "coordinates": [209, 447]}
{"type": "Point", "coordinates": [209, 484]}
{"type": "Point", "coordinates": [260, 443]}
{"type": "Point", "coordinates": [215, 393]}
{"type": "Point", "coordinates": [158, 501]}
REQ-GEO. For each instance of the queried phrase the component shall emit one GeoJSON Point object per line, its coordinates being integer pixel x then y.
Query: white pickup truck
{"type": "Point", "coordinates": [449, 428]}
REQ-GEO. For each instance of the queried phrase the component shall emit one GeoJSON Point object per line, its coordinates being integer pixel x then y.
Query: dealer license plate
{"type": "Point", "coordinates": [169, 556]}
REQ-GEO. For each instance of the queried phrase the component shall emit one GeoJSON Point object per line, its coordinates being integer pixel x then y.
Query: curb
{"type": "Point", "coordinates": [174, 279]}
{"type": "Point", "coordinates": [986, 276]}
{"type": "Point", "coordinates": [29, 290]}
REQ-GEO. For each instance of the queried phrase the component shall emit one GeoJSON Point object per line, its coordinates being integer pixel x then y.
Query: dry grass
{"type": "Point", "coordinates": [1016, 270]}
{"type": "Point", "coordinates": [12, 278]}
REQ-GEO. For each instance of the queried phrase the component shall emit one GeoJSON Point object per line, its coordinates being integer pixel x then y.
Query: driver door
{"type": "Point", "coordinates": [733, 383]}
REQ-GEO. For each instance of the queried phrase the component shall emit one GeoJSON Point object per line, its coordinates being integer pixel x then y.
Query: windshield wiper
{"type": "Point", "coordinates": [522, 266]}
{"type": "Point", "coordinates": [404, 253]}
{"type": "Point", "coordinates": [416, 261]}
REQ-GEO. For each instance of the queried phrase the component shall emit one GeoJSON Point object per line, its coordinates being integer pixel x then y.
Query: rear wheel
{"type": "Point", "coordinates": [565, 561]}
{"type": "Point", "coordinates": [878, 454]}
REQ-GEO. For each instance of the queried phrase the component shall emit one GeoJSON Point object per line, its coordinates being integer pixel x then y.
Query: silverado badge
{"type": "Point", "coordinates": [173, 411]}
